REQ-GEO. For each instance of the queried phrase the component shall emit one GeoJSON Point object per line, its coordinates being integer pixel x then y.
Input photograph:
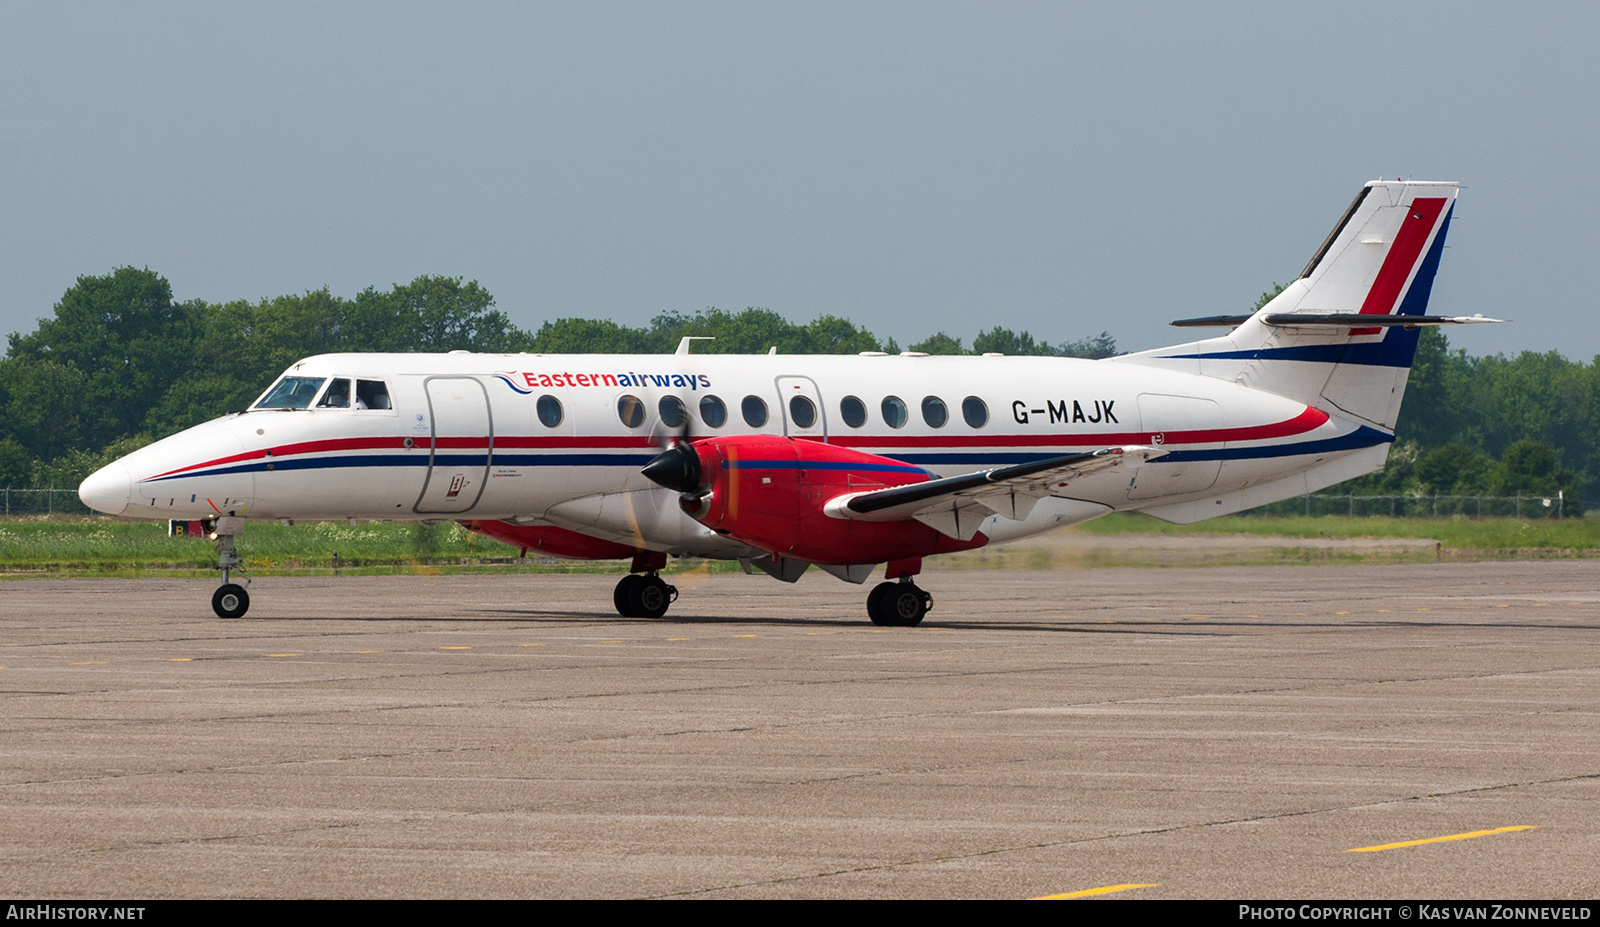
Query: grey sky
{"type": "Point", "coordinates": [911, 166]}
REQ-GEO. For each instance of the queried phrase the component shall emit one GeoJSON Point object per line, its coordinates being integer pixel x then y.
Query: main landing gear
{"type": "Point", "coordinates": [643, 596]}
{"type": "Point", "coordinates": [899, 603]}
{"type": "Point", "coordinates": [646, 596]}
{"type": "Point", "coordinates": [230, 600]}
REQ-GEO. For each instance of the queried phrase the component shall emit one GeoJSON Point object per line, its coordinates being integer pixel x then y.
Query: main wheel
{"type": "Point", "coordinates": [877, 610]}
{"type": "Point", "coordinates": [625, 593]}
{"type": "Point", "coordinates": [230, 601]}
{"type": "Point", "coordinates": [651, 597]}
{"type": "Point", "coordinates": [906, 604]}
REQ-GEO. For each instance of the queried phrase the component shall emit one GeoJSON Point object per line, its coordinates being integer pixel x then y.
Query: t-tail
{"type": "Point", "coordinates": [1342, 336]}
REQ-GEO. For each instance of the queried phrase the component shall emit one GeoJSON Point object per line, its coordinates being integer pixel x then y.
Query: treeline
{"type": "Point", "coordinates": [121, 363]}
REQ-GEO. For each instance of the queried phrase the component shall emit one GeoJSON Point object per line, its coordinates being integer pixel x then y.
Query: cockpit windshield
{"type": "Point", "coordinates": [291, 393]}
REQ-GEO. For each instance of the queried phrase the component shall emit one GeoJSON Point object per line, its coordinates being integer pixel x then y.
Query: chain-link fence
{"type": "Point", "coordinates": [43, 502]}
{"type": "Point", "coordinates": [1353, 505]}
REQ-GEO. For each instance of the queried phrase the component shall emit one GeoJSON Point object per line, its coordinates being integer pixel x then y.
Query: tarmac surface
{"type": "Point", "coordinates": [1163, 733]}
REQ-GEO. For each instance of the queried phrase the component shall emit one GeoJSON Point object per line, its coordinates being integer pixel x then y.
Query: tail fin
{"type": "Point", "coordinates": [1306, 343]}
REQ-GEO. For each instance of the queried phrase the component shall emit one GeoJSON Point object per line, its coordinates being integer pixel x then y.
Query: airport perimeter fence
{"type": "Point", "coordinates": [43, 502]}
{"type": "Point", "coordinates": [1435, 506]}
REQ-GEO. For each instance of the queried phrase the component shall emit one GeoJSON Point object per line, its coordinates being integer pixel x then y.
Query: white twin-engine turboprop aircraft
{"type": "Point", "coordinates": [784, 462]}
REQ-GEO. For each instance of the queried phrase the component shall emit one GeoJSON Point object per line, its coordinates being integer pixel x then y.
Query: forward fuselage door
{"type": "Point", "coordinates": [461, 448]}
{"type": "Point", "coordinates": [800, 403]}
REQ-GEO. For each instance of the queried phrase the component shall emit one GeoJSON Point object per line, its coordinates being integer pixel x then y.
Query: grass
{"type": "Point", "coordinates": [93, 546]}
{"type": "Point", "coordinates": [1456, 533]}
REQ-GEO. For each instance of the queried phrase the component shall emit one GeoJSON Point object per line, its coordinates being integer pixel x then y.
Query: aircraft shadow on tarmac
{"type": "Point", "coordinates": [1212, 627]}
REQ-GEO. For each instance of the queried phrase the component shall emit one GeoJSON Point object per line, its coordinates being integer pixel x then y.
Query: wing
{"type": "Point", "coordinates": [957, 505]}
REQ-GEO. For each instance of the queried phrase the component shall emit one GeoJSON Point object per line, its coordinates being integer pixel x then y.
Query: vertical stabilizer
{"type": "Point", "coordinates": [1379, 260]}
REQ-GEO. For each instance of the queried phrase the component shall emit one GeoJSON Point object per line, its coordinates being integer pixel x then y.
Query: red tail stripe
{"type": "Point", "coordinates": [1402, 257]}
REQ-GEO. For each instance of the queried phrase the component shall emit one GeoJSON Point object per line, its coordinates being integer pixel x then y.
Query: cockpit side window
{"type": "Point", "coordinates": [337, 396]}
{"type": "Point", "coordinates": [291, 393]}
{"type": "Point", "coordinates": [372, 394]}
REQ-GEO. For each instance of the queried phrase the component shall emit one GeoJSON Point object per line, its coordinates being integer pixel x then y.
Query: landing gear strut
{"type": "Point", "coordinates": [230, 600]}
{"type": "Point", "coordinates": [646, 596]}
{"type": "Point", "coordinates": [899, 603]}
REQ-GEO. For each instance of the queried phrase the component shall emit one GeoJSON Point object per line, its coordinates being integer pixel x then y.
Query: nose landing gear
{"type": "Point", "coordinates": [230, 600]}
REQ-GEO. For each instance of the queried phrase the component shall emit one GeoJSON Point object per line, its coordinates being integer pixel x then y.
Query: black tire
{"type": "Point", "coordinates": [651, 597]}
{"type": "Point", "coordinates": [230, 601]}
{"type": "Point", "coordinates": [906, 605]}
{"type": "Point", "coordinates": [876, 609]}
{"type": "Point", "coordinates": [624, 594]}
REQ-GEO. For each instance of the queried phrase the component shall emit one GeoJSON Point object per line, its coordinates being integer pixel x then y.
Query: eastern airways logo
{"type": "Point", "coordinates": [525, 383]}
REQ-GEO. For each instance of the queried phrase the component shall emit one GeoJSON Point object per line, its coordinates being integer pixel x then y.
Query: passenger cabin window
{"type": "Point", "coordinates": [713, 412]}
{"type": "Point", "coordinates": [894, 412]}
{"type": "Point", "coordinates": [372, 394]}
{"type": "Point", "coordinates": [549, 409]}
{"type": "Point", "coordinates": [853, 411]}
{"type": "Point", "coordinates": [975, 412]}
{"type": "Point", "coordinates": [631, 410]}
{"type": "Point", "coordinates": [337, 396]}
{"type": "Point", "coordinates": [802, 412]}
{"type": "Point", "coordinates": [934, 412]}
{"type": "Point", "coordinates": [672, 411]}
{"type": "Point", "coordinates": [755, 411]}
{"type": "Point", "coordinates": [291, 393]}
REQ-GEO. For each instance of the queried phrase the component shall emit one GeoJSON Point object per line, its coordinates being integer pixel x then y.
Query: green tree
{"type": "Point", "coordinates": [1093, 348]}
{"type": "Point", "coordinates": [427, 314]}
{"type": "Point", "coordinates": [1533, 467]}
{"type": "Point", "coordinates": [1000, 340]}
{"type": "Point", "coordinates": [1455, 470]}
{"type": "Point", "coordinates": [939, 343]}
{"type": "Point", "coordinates": [589, 336]}
{"type": "Point", "coordinates": [126, 337]}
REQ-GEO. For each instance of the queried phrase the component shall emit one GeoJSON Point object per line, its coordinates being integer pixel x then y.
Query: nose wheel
{"type": "Point", "coordinates": [230, 601]}
{"type": "Point", "coordinates": [646, 596]}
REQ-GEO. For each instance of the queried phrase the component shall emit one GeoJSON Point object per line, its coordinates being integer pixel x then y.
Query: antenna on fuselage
{"type": "Point", "coordinates": [683, 346]}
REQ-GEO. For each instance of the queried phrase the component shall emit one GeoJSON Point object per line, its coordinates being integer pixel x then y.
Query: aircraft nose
{"type": "Point", "coordinates": [107, 489]}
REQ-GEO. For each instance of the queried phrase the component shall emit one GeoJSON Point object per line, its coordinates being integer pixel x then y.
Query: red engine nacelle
{"type": "Point", "coordinates": [769, 492]}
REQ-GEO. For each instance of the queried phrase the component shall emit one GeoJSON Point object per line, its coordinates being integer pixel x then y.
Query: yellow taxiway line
{"type": "Point", "coordinates": [1466, 836]}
